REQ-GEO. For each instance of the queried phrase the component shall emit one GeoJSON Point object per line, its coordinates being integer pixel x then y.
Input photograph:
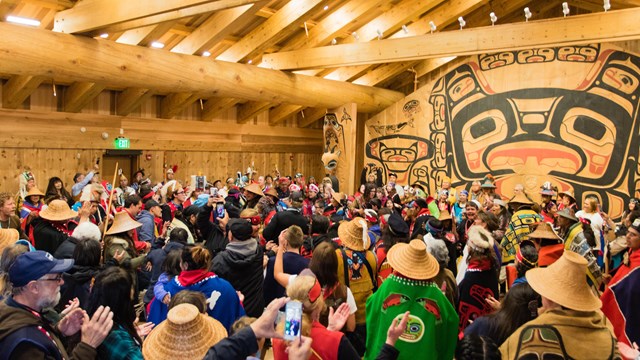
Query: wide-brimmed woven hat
{"type": "Point", "coordinates": [122, 223]}
{"type": "Point", "coordinates": [565, 283]}
{"type": "Point", "coordinates": [186, 334]}
{"type": "Point", "coordinates": [354, 234]}
{"type": "Point", "coordinates": [271, 191]}
{"type": "Point", "coordinates": [568, 193]}
{"type": "Point", "coordinates": [338, 196]}
{"type": "Point", "coordinates": [520, 198]}
{"type": "Point", "coordinates": [58, 210]}
{"type": "Point", "coordinates": [8, 237]}
{"type": "Point", "coordinates": [413, 260]}
{"type": "Point", "coordinates": [567, 213]}
{"type": "Point", "coordinates": [544, 230]}
{"type": "Point", "coordinates": [255, 189]}
{"type": "Point", "coordinates": [34, 191]}
{"type": "Point", "coordinates": [488, 184]}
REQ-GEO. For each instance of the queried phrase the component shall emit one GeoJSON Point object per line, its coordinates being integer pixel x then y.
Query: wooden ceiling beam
{"type": "Point", "coordinates": [619, 25]}
{"type": "Point", "coordinates": [443, 15]}
{"type": "Point", "coordinates": [88, 16]}
{"type": "Point", "coordinates": [246, 112]}
{"type": "Point", "coordinates": [130, 99]}
{"type": "Point", "coordinates": [218, 26]}
{"type": "Point", "coordinates": [120, 66]}
{"type": "Point", "coordinates": [175, 103]}
{"type": "Point", "coordinates": [7, 7]}
{"type": "Point", "coordinates": [334, 23]}
{"type": "Point", "coordinates": [214, 107]}
{"type": "Point", "coordinates": [290, 16]}
{"type": "Point", "coordinates": [18, 88]}
{"type": "Point", "coordinates": [80, 94]}
{"type": "Point", "coordinates": [281, 112]}
{"type": "Point", "coordinates": [311, 115]}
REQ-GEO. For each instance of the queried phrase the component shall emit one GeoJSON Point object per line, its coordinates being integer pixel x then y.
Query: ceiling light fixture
{"type": "Point", "coordinates": [206, 54]}
{"type": "Point", "coordinates": [22, 21]}
{"type": "Point", "coordinates": [104, 36]}
{"type": "Point", "coordinates": [157, 45]}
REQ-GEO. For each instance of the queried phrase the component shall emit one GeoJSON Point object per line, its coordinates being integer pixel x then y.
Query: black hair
{"type": "Point", "coordinates": [113, 288]}
{"type": "Point", "coordinates": [589, 235]}
{"type": "Point", "coordinates": [179, 235]}
{"type": "Point", "coordinates": [133, 199]}
{"type": "Point", "coordinates": [319, 224]}
{"type": "Point", "coordinates": [194, 298]}
{"type": "Point", "coordinates": [490, 219]}
{"type": "Point", "coordinates": [530, 254]}
{"type": "Point", "coordinates": [519, 306]}
{"type": "Point", "coordinates": [376, 202]}
{"type": "Point", "coordinates": [389, 239]}
{"type": "Point", "coordinates": [171, 264]}
{"type": "Point", "coordinates": [87, 253]}
{"type": "Point", "coordinates": [145, 190]}
{"type": "Point", "coordinates": [474, 347]}
{"type": "Point", "coordinates": [333, 230]}
{"type": "Point", "coordinates": [52, 193]}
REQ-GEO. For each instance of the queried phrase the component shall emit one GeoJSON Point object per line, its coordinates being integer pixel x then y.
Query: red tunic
{"type": "Point", "coordinates": [324, 346]}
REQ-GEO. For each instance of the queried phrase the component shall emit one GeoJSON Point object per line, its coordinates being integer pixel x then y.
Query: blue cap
{"type": "Point", "coordinates": [33, 265]}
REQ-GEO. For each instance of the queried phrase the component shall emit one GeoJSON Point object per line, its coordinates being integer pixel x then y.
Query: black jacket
{"type": "Point", "coordinates": [46, 237]}
{"type": "Point", "coordinates": [77, 283]}
{"type": "Point", "coordinates": [214, 238]}
{"type": "Point", "coordinates": [244, 271]}
{"type": "Point", "coordinates": [282, 220]}
{"type": "Point", "coordinates": [157, 257]}
{"type": "Point", "coordinates": [66, 249]}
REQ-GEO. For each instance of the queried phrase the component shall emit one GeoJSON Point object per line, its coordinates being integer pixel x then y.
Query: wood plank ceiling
{"type": "Point", "coordinates": [243, 31]}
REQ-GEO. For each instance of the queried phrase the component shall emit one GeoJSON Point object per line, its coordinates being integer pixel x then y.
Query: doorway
{"type": "Point", "coordinates": [128, 161]}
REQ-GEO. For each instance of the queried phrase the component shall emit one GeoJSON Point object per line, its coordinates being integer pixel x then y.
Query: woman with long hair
{"type": "Point", "coordinates": [113, 288]}
{"type": "Point", "coordinates": [327, 344]}
{"type": "Point", "coordinates": [77, 280]}
{"type": "Point", "coordinates": [590, 211]}
{"type": "Point", "coordinates": [56, 190]}
{"type": "Point", "coordinates": [518, 307]}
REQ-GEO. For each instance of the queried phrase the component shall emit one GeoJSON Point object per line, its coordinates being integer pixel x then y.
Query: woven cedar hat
{"type": "Point", "coordinates": [186, 334]}
{"type": "Point", "coordinates": [354, 234]}
{"type": "Point", "coordinates": [338, 197]}
{"type": "Point", "coordinates": [34, 191]}
{"type": "Point", "coordinates": [568, 193]}
{"type": "Point", "coordinates": [413, 260]}
{"type": "Point", "coordinates": [8, 237]}
{"type": "Point", "coordinates": [271, 191]}
{"type": "Point", "coordinates": [122, 223]}
{"type": "Point", "coordinates": [567, 213]}
{"type": "Point", "coordinates": [565, 283]}
{"type": "Point", "coordinates": [58, 210]}
{"type": "Point", "coordinates": [255, 189]}
{"type": "Point", "coordinates": [520, 198]}
{"type": "Point", "coordinates": [544, 230]}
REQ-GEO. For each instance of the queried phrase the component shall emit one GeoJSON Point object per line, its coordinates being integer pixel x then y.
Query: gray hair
{"type": "Point", "coordinates": [438, 249]}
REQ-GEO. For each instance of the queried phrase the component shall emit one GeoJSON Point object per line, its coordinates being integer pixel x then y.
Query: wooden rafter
{"type": "Point", "coordinates": [290, 16]}
{"type": "Point", "coordinates": [311, 115]}
{"type": "Point", "coordinates": [107, 14]}
{"type": "Point", "coordinates": [248, 111]}
{"type": "Point", "coordinates": [80, 94]}
{"type": "Point", "coordinates": [617, 25]}
{"type": "Point", "coordinates": [18, 89]}
{"type": "Point", "coordinates": [131, 99]}
{"type": "Point", "coordinates": [216, 106]}
{"type": "Point", "coordinates": [281, 112]}
{"type": "Point", "coordinates": [175, 103]}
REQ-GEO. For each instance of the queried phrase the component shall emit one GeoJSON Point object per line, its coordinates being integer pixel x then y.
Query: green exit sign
{"type": "Point", "coordinates": [122, 143]}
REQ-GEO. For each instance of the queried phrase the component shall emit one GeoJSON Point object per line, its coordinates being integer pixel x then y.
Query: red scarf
{"type": "Point", "coordinates": [190, 277]}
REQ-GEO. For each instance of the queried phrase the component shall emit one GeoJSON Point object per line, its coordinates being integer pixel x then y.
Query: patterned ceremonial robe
{"type": "Point", "coordinates": [620, 301]}
{"type": "Point", "coordinates": [517, 230]}
{"type": "Point", "coordinates": [575, 241]}
{"type": "Point", "coordinates": [562, 334]}
{"type": "Point", "coordinates": [432, 329]}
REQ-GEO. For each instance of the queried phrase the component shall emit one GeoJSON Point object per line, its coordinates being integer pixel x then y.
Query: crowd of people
{"type": "Point", "coordinates": [182, 270]}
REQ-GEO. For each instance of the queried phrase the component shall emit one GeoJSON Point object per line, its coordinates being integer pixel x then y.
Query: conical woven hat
{"type": "Point", "coordinates": [186, 334]}
{"type": "Point", "coordinates": [544, 230]}
{"type": "Point", "coordinates": [271, 191]}
{"type": "Point", "coordinates": [254, 188]}
{"type": "Point", "coordinates": [565, 283]}
{"type": "Point", "coordinates": [413, 260]}
{"type": "Point", "coordinates": [354, 234]}
{"type": "Point", "coordinates": [58, 210]}
{"type": "Point", "coordinates": [569, 193]}
{"type": "Point", "coordinates": [34, 191]}
{"type": "Point", "coordinates": [122, 223]}
{"type": "Point", "coordinates": [520, 198]}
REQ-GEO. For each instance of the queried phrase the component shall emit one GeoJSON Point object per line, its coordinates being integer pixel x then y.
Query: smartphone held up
{"type": "Point", "coordinates": [293, 320]}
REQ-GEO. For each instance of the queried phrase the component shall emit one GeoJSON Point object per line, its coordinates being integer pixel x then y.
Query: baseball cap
{"type": "Point", "coordinates": [240, 229]}
{"type": "Point", "coordinates": [33, 265]}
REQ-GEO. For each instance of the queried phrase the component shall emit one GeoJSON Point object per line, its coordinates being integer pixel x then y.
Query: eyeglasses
{"type": "Point", "coordinates": [180, 193]}
{"type": "Point", "coordinates": [56, 279]}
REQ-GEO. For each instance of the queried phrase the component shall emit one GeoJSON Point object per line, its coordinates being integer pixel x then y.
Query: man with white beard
{"type": "Point", "coordinates": [27, 326]}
